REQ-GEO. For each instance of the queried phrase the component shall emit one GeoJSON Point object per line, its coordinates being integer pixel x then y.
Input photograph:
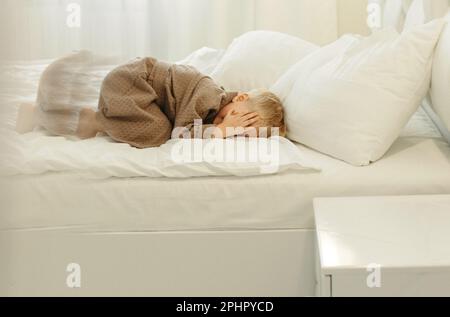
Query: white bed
{"type": "Point", "coordinates": [218, 236]}
{"type": "Point", "coordinates": [414, 165]}
{"type": "Point", "coordinates": [207, 236]}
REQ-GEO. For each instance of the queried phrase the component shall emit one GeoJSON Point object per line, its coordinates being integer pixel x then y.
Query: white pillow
{"type": "Point", "coordinates": [415, 16]}
{"type": "Point", "coordinates": [204, 59]}
{"type": "Point", "coordinates": [101, 157]}
{"type": "Point", "coordinates": [440, 86]}
{"type": "Point", "coordinates": [394, 14]}
{"type": "Point", "coordinates": [303, 68]}
{"type": "Point", "coordinates": [258, 58]}
{"type": "Point", "coordinates": [355, 106]}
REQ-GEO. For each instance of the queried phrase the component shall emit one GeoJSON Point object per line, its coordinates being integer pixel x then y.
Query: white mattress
{"type": "Point", "coordinates": [418, 163]}
{"type": "Point", "coordinates": [414, 165]}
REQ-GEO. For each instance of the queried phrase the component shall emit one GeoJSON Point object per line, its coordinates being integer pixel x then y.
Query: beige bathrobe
{"type": "Point", "coordinates": [143, 101]}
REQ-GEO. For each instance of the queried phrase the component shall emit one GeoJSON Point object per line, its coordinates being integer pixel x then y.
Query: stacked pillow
{"type": "Point", "coordinates": [415, 16]}
{"type": "Point", "coordinates": [394, 13]}
{"type": "Point", "coordinates": [352, 98]}
{"type": "Point", "coordinates": [258, 58]}
{"type": "Point", "coordinates": [440, 90]}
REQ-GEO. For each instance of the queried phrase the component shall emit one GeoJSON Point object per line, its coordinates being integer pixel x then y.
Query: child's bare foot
{"type": "Point", "coordinates": [87, 124]}
{"type": "Point", "coordinates": [26, 118]}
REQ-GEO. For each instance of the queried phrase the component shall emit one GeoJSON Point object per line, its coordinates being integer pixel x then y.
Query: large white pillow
{"type": "Point", "coordinates": [394, 14]}
{"type": "Point", "coordinates": [440, 88]}
{"type": "Point", "coordinates": [204, 59]}
{"type": "Point", "coordinates": [355, 106]}
{"type": "Point", "coordinates": [101, 157]}
{"type": "Point", "coordinates": [415, 16]}
{"type": "Point", "coordinates": [258, 58]}
{"type": "Point", "coordinates": [303, 68]}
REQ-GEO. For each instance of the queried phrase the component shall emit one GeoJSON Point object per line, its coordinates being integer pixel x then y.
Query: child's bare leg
{"type": "Point", "coordinates": [88, 126]}
{"type": "Point", "coordinates": [26, 118]}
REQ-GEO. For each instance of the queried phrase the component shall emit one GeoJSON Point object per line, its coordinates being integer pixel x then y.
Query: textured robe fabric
{"type": "Point", "coordinates": [143, 101]}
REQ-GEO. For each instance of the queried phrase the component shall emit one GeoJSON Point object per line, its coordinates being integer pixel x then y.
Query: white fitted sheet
{"type": "Point", "coordinates": [414, 165]}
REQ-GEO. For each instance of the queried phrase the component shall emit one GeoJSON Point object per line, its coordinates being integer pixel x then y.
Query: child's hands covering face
{"type": "Point", "coordinates": [236, 120]}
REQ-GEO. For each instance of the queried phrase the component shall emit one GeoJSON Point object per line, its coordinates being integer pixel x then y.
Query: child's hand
{"type": "Point", "coordinates": [237, 120]}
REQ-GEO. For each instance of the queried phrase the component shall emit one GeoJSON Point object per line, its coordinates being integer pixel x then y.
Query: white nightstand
{"type": "Point", "coordinates": [383, 246]}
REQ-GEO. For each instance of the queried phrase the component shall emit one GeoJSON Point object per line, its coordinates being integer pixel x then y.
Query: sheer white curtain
{"type": "Point", "coordinates": [167, 29]}
{"type": "Point", "coordinates": [393, 12]}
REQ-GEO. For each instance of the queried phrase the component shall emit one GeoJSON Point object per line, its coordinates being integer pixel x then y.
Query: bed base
{"type": "Point", "coordinates": [214, 263]}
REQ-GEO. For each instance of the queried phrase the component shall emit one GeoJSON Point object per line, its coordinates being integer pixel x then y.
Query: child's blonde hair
{"type": "Point", "coordinates": [269, 108]}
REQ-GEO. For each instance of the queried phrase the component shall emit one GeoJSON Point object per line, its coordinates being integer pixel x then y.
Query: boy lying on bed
{"type": "Point", "coordinates": [142, 102]}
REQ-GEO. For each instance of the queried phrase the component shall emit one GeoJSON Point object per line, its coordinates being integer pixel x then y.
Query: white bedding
{"type": "Point", "coordinates": [37, 153]}
{"type": "Point", "coordinates": [418, 163]}
{"type": "Point", "coordinates": [414, 165]}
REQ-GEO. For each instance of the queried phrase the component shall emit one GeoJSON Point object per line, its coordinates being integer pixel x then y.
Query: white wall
{"type": "Point", "coordinates": [312, 20]}
{"type": "Point", "coordinates": [352, 17]}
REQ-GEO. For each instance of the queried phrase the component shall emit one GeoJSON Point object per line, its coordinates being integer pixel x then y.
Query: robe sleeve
{"type": "Point", "coordinates": [206, 101]}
